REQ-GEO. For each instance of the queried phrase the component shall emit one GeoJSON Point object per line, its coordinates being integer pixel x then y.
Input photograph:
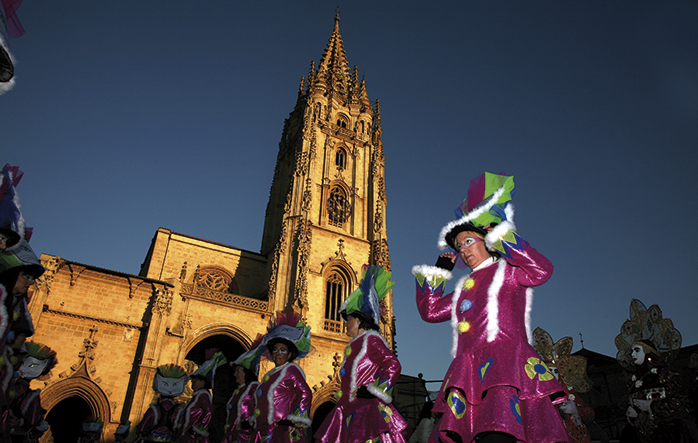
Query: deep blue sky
{"type": "Point", "coordinates": [132, 115]}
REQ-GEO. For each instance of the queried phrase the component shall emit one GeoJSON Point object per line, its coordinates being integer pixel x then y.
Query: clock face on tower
{"type": "Point", "coordinates": [338, 206]}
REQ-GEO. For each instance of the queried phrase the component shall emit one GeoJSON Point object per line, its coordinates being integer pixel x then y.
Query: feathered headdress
{"type": "Point", "coordinates": [366, 300]}
{"type": "Point", "coordinates": [572, 368]}
{"type": "Point", "coordinates": [646, 324]}
{"type": "Point", "coordinates": [488, 199]}
{"type": "Point", "coordinates": [171, 371]}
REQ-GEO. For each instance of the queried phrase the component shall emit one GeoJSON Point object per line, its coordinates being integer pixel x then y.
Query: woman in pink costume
{"type": "Point", "coordinates": [497, 389]}
{"type": "Point", "coordinates": [238, 427]}
{"type": "Point", "coordinates": [283, 398]}
{"type": "Point", "coordinates": [369, 372]}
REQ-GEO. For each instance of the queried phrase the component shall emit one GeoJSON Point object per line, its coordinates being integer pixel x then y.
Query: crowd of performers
{"type": "Point", "coordinates": [506, 383]}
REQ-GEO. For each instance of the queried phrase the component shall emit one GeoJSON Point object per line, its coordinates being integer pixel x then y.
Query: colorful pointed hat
{"type": "Point", "coordinates": [290, 328]}
{"type": "Point", "coordinates": [375, 284]}
{"type": "Point", "coordinates": [21, 256]}
{"type": "Point", "coordinates": [250, 359]}
{"type": "Point", "coordinates": [488, 203]}
{"type": "Point", "coordinates": [207, 370]}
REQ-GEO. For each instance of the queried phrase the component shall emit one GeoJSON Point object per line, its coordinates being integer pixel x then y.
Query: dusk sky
{"type": "Point", "coordinates": [133, 115]}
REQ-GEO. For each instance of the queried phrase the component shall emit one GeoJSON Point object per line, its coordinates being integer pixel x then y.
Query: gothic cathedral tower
{"type": "Point", "coordinates": [326, 213]}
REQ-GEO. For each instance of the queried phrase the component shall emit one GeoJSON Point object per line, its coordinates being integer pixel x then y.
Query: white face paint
{"type": "Point", "coordinates": [638, 355]}
{"type": "Point", "coordinates": [169, 387]}
{"type": "Point", "coordinates": [555, 372]}
{"type": "Point", "coordinates": [32, 367]}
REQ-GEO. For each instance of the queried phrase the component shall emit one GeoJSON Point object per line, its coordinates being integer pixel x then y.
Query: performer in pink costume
{"type": "Point", "coordinates": [497, 388]}
{"type": "Point", "coordinates": [369, 372]}
{"type": "Point", "coordinates": [158, 423]}
{"type": "Point", "coordinates": [241, 405]}
{"type": "Point", "coordinates": [197, 415]}
{"type": "Point", "coordinates": [283, 397]}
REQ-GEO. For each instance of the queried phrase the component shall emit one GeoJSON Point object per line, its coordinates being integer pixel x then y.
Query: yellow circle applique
{"type": "Point", "coordinates": [266, 378]}
{"type": "Point", "coordinates": [347, 351]}
{"type": "Point", "coordinates": [463, 327]}
{"type": "Point", "coordinates": [468, 284]}
{"type": "Point", "coordinates": [257, 412]}
{"type": "Point", "coordinates": [339, 394]}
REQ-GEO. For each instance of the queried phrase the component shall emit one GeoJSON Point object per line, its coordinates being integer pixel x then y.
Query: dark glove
{"type": "Point", "coordinates": [363, 392]}
{"type": "Point", "coordinates": [284, 422]}
{"type": "Point", "coordinates": [445, 263]}
{"type": "Point", "coordinates": [246, 425]}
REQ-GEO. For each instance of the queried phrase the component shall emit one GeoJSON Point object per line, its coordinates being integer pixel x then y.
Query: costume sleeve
{"type": "Point", "coordinates": [198, 415]}
{"type": "Point", "coordinates": [533, 269]}
{"type": "Point", "coordinates": [382, 387]}
{"type": "Point", "coordinates": [300, 415]}
{"type": "Point", "coordinates": [433, 307]}
{"type": "Point", "coordinates": [148, 421]}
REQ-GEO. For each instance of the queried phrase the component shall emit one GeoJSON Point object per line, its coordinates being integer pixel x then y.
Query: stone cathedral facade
{"type": "Point", "coordinates": [325, 219]}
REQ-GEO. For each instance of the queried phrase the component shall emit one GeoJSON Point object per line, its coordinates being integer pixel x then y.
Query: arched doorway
{"type": "Point", "coordinates": [65, 420]}
{"type": "Point", "coordinates": [69, 402]}
{"type": "Point", "coordinates": [229, 343]}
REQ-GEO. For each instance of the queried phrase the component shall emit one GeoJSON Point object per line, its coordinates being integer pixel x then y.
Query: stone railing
{"type": "Point", "coordinates": [225, 298]}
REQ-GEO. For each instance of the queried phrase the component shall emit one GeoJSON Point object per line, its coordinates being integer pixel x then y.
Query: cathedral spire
{"type": "Point", "coordinates": [333, 70]}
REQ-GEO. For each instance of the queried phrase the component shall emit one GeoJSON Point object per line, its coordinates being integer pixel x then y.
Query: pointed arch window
{"type": "Point", "coordinates": [340, 159]}
{"type": "Point", "coordinates": [336, 290]}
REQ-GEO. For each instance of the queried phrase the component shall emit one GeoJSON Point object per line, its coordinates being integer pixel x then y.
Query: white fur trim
{"type": "Point", "coordinates": [529, 308]}
{"type": "Point", "coordinates": [493, 301]}
{"type": "Point", "coordinates": [242, 397]}
{"type": "Point", "coordinates": [442, 244]}
{"type": "Point", "coordinates": [380, 395]}
{"type": "Point", "coordinates": [305, 422]}
{"type": "Point", "coordinates": [498, 232]}
{"type": "Point", "coordinates": [432, 270]}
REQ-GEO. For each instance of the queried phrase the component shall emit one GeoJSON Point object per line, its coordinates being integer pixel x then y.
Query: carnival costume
{"type": "Point", "coordinates": [573, 377]}
{"type": "Point", "coordinates": [91, 430]}
{"type": "Point", "coordinates": [496, 381]}
{"type": "Point", "coordinates": [9, 27]}
{"type": "Point", "coordinates": [197, 415]}
{"type": "Point", "coordinates": [241, 406]}
{"type": "Point", "coordinates": [368, 364]}
{"type": "Point", "coordinates": [663, 409]}
{"type": "Point", "coordinates": [283, 398]}
{"type": "Point", "coordinates": [159, 421]}
{"type": "Point", "coordinates": [16, 257]}
{"type": "Point", "coordinates": [25, 418]}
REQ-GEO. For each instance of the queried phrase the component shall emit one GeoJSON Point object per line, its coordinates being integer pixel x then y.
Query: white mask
{"type": "Point", "coordinates": [32, 367]}
{"type": "Point", "coordinates": [555, 372]}
{"type": "Point", "coordinates": [638, 355]}
{"type": "Point", "coordinates": [169, 387]}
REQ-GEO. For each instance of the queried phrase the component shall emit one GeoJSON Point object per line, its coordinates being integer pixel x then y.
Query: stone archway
{"type": "Point", "coordinates": [233, 342]}
{"type": "Point", "coordinates": [82, 397]}
{"type": "Point", "coordinates": [324, 400]}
